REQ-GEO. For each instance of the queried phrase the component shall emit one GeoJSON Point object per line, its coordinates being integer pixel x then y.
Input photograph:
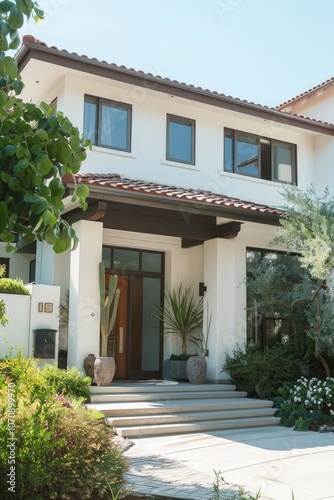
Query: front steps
{"type": "Point", "coordinates": [144, 409]}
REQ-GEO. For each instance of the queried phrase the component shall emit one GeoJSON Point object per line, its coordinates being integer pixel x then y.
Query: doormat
{"type": "Point", "coordinates": [159, 382]}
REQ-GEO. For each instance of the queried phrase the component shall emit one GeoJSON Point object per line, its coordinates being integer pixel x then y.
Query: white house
{"type": "Point", "coordinates": [184, 186]}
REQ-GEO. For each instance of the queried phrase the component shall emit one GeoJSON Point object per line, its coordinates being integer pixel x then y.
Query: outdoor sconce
{"type": "Point", "coordinates": [201, 289]}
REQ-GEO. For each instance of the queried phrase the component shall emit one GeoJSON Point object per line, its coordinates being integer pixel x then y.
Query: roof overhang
{"type": "Point", "coordinates": [34, 50]}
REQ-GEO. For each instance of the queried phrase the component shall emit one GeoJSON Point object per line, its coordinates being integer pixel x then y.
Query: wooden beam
{"type": "Point", "coordinates": [229, 230]}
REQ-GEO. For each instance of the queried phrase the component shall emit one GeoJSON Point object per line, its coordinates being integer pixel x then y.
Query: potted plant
{"type": "Point", "coordinates": [182, 317]}
{"type": "Point", "coordinates": [104, 365]}
{"type": "Point", "coordinates": [196, 365]}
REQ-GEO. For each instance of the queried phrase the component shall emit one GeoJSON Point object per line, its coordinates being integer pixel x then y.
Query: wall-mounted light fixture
{"type": "Point", "coordinates": [201, 289]}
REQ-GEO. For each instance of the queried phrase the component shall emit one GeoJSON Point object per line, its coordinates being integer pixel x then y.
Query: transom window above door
{"type": "Point", "coordinates": [130, 260]}
{"type": "Point", "coordinates": [180, 139]}
{"type": "Point", "coordinates": [107, 123]}
{"type": "Point", "coordinates": [256, 156]}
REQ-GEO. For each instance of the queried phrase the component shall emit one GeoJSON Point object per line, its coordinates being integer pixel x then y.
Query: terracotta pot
{"type": "Point", "coordinates": [88, 365]}
{"type": "Point", "coordinates": [104, 370]}
{"type": "Point", "coordinates": [196, 369]}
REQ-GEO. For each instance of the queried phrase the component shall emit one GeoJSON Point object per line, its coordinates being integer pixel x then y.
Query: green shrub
{"type": "Point", "coordinates": [260, 374]}
{"type": "Point", "coordinates": [71, 382]}
{"type": "Point", "coordinates": [13, 286]}
{"type": "Point", "coordinates": [60, 446]}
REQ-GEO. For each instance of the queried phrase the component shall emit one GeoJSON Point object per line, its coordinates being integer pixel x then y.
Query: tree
{"type": "Point", "coordinates": [37, 147]}
{"type": "Point", "coordinates": [308, 227]}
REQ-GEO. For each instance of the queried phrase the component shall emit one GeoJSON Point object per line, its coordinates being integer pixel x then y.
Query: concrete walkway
{"type": "Point", "coordinates": [276, 460]}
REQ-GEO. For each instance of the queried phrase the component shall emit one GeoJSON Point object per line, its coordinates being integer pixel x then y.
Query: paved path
{"type": "Point", "coordinates": [274, 459]}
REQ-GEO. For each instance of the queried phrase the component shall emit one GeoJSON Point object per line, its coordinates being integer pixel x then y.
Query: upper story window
{"type": "Point", "coordinates": [180, 139]}
{"type": "Point", "coordinates": [107, 123]}
{"type": "Point", "coordinates": [269, 159]}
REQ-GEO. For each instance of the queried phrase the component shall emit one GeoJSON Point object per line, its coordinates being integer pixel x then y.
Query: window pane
{"type": "Point", "coordinates": [126, 259]}
{"type": "Point", "coordinates": [228, 151]}
{"type": "Point", "coordinates": [247, 155]}
{"type": "Point", "coordinates": [114, 127]}
{"type": "Point", "coordinates": [90, 120]}
{"type": "Point", "coordinates": [282, 163]}
{"type": "Point", "coordinates": [180, 141]}
{"type": "Point", "coordinates": [151, 262]}
{"type": "Point", "coordinates": [106, 256]}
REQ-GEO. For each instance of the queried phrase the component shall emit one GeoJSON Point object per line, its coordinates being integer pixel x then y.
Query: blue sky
{"type": "Point", "coordinates": [264, 51]}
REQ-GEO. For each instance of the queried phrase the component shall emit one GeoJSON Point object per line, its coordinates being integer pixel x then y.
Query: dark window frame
{"type": "Point", "coordinates": [265, 170]}
{"type": "Point", "coordinates": [99, 102]}
{"type": "Point", "coordinates": [181, 121]}
{"type": "Point", "coordinates": [263, 334]}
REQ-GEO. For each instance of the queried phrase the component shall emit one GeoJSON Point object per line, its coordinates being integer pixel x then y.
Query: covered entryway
{"type": "Point", "coordinates": [136, 341]}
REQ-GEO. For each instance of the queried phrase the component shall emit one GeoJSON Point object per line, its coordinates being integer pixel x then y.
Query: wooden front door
{"type": "Point", "coordinates": [136, 338]}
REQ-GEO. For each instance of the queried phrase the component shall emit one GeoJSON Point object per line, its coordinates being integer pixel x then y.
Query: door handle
{"type": "Point", "coordinates": [121, 340]}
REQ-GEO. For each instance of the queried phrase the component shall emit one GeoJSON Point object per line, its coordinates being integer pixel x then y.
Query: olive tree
{"type": "Point", "coordinates": [308, 228]}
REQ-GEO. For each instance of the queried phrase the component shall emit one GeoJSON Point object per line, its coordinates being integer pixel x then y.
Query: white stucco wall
{"type": "Point", "coordinates": [28, 313]}
{"type": "Point", "coordinates": [147, 157]}
{"type": "Point", "coordinates": [17, 332]}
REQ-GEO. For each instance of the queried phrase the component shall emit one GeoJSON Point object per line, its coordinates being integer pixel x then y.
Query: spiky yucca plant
{"type": "Point", "coordinates": [182, 316]}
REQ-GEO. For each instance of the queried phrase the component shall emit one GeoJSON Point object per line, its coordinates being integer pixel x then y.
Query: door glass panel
{"type": "Point", "coordinates": [126, 259]}
{"type": "Point", "coordinates": [150, 353]}
{"type": "Point", "coordinates": [151, 262]}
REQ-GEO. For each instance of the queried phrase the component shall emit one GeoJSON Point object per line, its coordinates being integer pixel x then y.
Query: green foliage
{"type": "Point", "coordinates": [182, 316]}
{"type": "Point", "coordinates": [60, 446]}
{"type": "Point", "coordinates": [37, 148]}
{"type": "Point", "coordinates": [13, 286]}
{"type": "Point", "coordinates": [71, 382]}
{"type": "Point", "coordinates": [307, 404]}
{"type": "Point", "coordinates": [108, 306]}
{"type": "Point", "coordinates": [308, 227]}
{"type": "Point", "coordinates": [240, 494]}
{"type": "Point", "coordinates": [260, 374]}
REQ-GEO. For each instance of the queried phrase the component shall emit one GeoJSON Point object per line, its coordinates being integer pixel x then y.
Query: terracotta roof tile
{"type": "Point", "coordinates": [326, 83]}
{"type": "Point", "coordinates": [116, 182]}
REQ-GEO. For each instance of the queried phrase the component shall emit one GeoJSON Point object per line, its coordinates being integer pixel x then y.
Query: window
{"type": "Point", "coordinates": [276, 325]}
{"type": "Point", "coordinates": [255, 156]}
{"type": "Point", "coordinates": [107, 123]}
{"type": "Point", "coordinates": [129, 260]}
{"type": "Point", "coordinates": [180, 139]}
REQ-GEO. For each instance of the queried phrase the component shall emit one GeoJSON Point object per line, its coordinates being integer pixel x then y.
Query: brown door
{"type": "Point", "coordinates": [137, 338]}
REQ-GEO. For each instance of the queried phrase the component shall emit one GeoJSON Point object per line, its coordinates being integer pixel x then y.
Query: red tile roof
{"type": "Point", "coordinates": [207, 198]}
{"type": "Point", "coordinates": [327, 83]}
{"type": "Point", "coordinates": [248, 106]}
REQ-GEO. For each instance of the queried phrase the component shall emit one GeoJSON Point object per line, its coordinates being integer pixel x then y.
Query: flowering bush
{"type": "Point", "coordinates": [307, 404]}
{"type": "Point", "coordinates": [314, 394]}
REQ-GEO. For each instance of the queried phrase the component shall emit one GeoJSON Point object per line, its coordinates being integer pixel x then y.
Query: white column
{"type": "Point", "coordinates": [223, 266]}
{"type": "Point", "coordinates": [45, 264]}
{"type": "Point", "coordinates": [84, 317]}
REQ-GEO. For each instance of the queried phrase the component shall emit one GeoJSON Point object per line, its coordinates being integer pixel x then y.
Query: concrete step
{"type": "Point", "coordinates": [159, 387]}
{"type": "Point", "coordinates": [160, 407]}
{"type": "Point", "coordinates": [182, 417]}
{"type": "Point", "coordinates": [145, 409]}
{"type": "Point", "coordinates": [165, 396]}
{"type": "Point", "coordinates": [182, 428]}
